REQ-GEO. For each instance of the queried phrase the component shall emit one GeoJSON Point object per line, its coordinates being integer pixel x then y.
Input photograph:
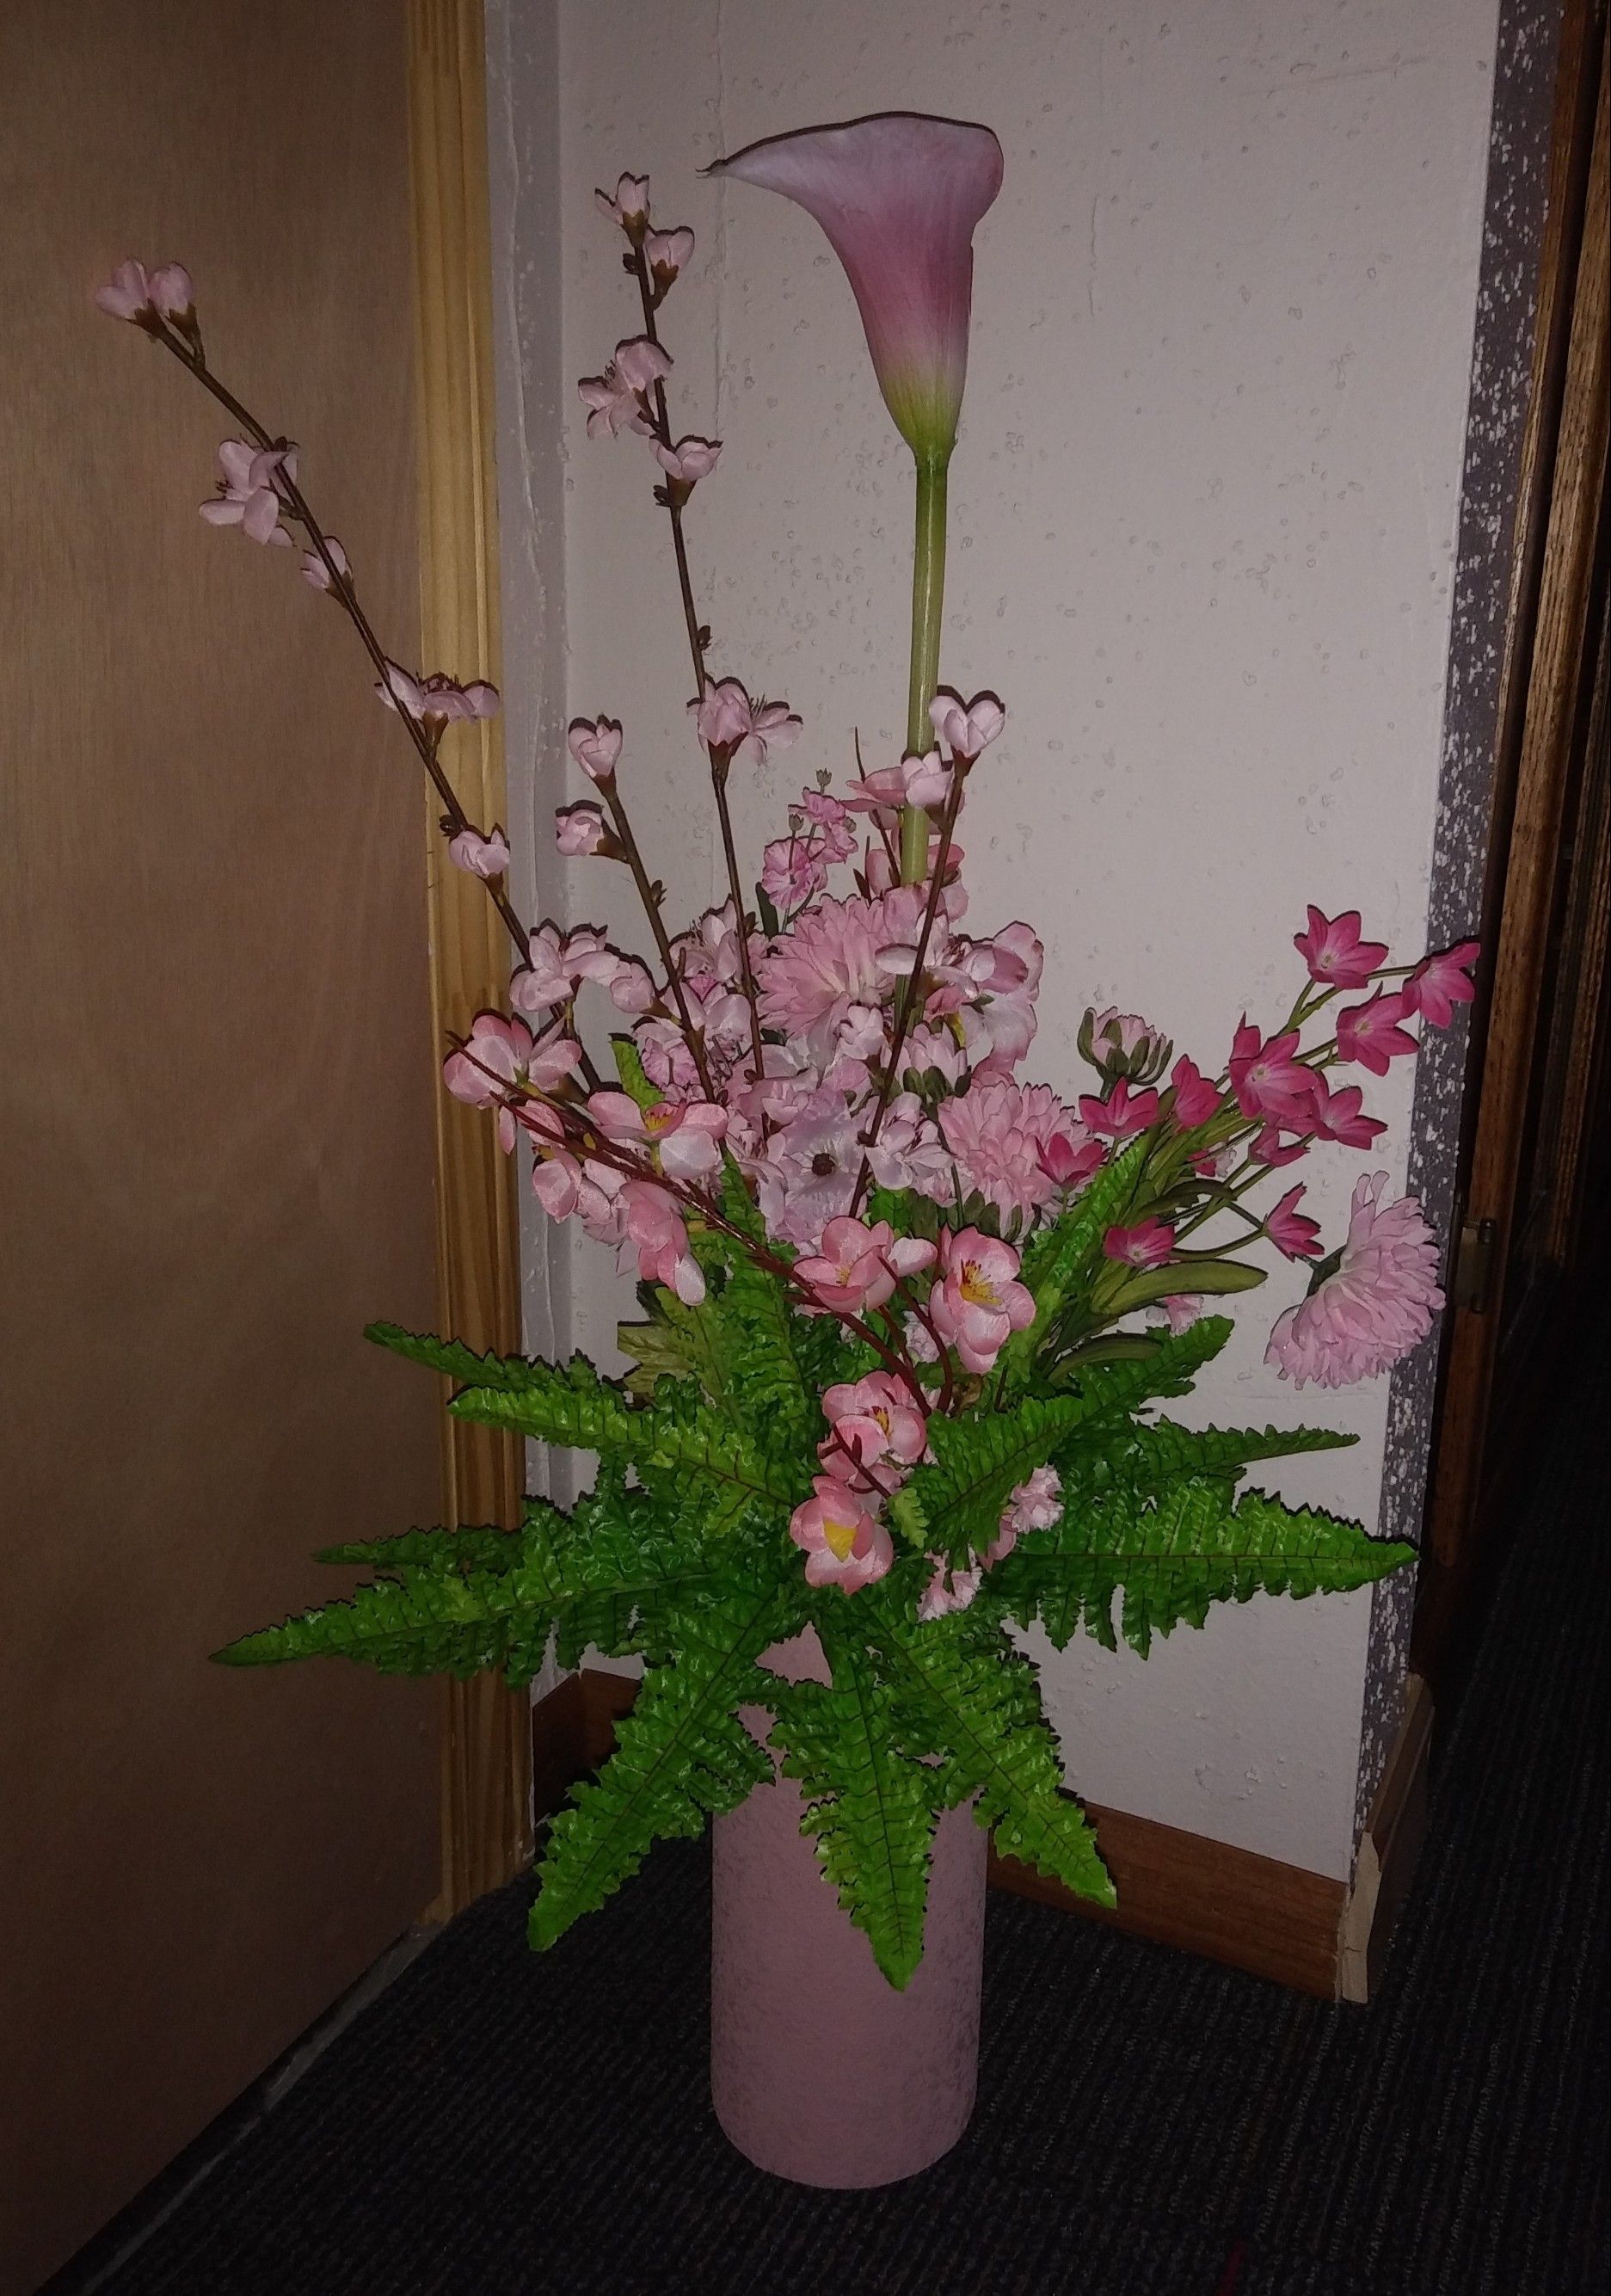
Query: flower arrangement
{"type": "Point", "coordinates": [906, 1317]}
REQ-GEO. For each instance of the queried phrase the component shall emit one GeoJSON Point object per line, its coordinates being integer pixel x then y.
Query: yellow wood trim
{"type": "Point", "coordinates": [486, 1739]}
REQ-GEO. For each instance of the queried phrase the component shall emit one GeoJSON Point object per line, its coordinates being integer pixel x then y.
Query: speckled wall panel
{"type": "Point", "coordinates": [1501, 369]}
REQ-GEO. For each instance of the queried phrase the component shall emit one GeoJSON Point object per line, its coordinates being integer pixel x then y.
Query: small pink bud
{"type": "Point", "coordinates": [595, 744]}
{"type": "Point", "coordinates": [126, 294]}
{"type": "Point", "coordinates": [482, 856]}
{"type": "Point", "coordinates": [668, 253]}
{"type": "Point", "coordinates": [581, 829]}
{"type": "Point", "coordinates": [966, 728]}
{"type": "Point", "coordinates": [630, 205]}
{"type": "Point", "coordinates": [689, 460]}
{"type": "Point", "coordinates": [315, 572]}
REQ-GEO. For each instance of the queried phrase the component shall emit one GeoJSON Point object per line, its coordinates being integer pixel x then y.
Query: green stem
{"type": "Point", "coordinates": [928, 603]}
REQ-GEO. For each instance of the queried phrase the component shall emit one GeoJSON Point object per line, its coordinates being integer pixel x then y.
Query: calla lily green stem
{"type": "Point", "coordinates": [928, 603]}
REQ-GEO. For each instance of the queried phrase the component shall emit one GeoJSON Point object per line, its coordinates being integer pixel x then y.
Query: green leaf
{"type": "Point", "coordinates": [1063, 1254]}
{"type": "Point", "coordinates": [514, 1372]}
{"type": "Point", "coordinates": [634, 1080]}
{"type": "Point", "coordinates": [439, 1552]}
{"type": "Point", "coordinates": [870, 1808]}
{"type": "Point", "coordinates": [452, 1624]}
{"type": "Point", "coordinates": [956, 1503]}
{"type": "Point", "coordinates": [1191, 1276]}
{"type": "Point", "coordinates": [676, 1341]}
{"type": "Point", "coordinates": [982, 1700]}
{"type": "Point", "coordinates": [681, 1755]}
{"type": "Point", "coordinates": [1114, 1388]}
{"type": "Point", "coordinates": [1174, 1557]}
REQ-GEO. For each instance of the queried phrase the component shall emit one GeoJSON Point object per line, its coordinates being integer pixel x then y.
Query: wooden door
{"type": "Point", "coordinates": [1532, 1230]}
{"type": "Point", "coordinates": [217, 1130]}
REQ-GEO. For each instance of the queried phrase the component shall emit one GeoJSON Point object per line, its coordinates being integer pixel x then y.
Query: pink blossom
{"type": "Point", "coordinates": [629, 205]}
{"type": "Point", "coordinates": [1269, 1079]}
{"type": "Point", "coordinates": [437, 700]}
{"type": "Point", "coordinates": [655, 1230]}
{"type": "Point", "coordinates": [998, 1134]}
{"type": "Point", "coordinates": [595, 744]}
{"type": "Point", "coordinates": [173, 293]}
{"type": "Point", "coordinates": [1122, 1114]}
{"type": "Point", "coordinates": [1439, 983]}
{"type": "Point", "coordinates": [493, 1056]}
{"type": "Point", "coordinates": [1002, 1025]}
{"type": "Point", "coordinates": [247, 495]}
{"type": "Point", "coordinates": [1370, 1033]}
{"type": "Point", "coordinates": [1334, 952]}
{"type": "Point", "coordinates": [1293, 1232]}
{"type": "Point", "coordinates": [926, 780]}
{"type": "Point", "coordinates": [689, 460]}
{"type": "Point", "coordinates": [966, 728]}
{"type": "Point", "coordinates": [1179, 1310]}
{"type": "Point", "coordinates": [878, 1420]}
{"type": "Point", "coordinates": [728, 720]}
{"type": "Point", "coordinates": [127, 294]}
{"type": "Point", "coordinates": [978, 1304]}
{"type": "Point", "coordinates": [1148, 1244]}
{"type": "Point", "coordinates": [852, 1271]}
{"type": "Point", "coordinates": [316, 572]}
{"type": "Point", "coordinates": [482, 856]}
{"type": "Point", "coordinates": [668, 253]}
{"type": "Point", "coordinates": [844, 1546]}
{"type": "Point", "coordinates": [807, 1178]}
{"type": "Point", "coordinates": [881, 793]}
{"type": "Point", "coordinates": [899, 196]}
{"type": "Point", "coordinates": [581, 830]}
{"type": "Point", "coordinates": [948, 1590]}
{"type": "Point", "coordinates": [1338, 1116]}
{"type": "Point", "coordinates": [1270, 1149]}
{"type": "Point", "coordinates": [1071, 1156]}
{"type": "Point", "coordinates": [830, 819]}
{"type": "Point", "coordinates": [687, 1136]}
{"type": "Point", "coordinates": [1374, 1305]}
{"type": "Point", "coordinates": [1196, 1100]}
{"type": "Point", "coordinates": [1035, 1504]}
{"type": "Point", "coordinates": [618, 399]}
{"type": "Point", "coordinates": [1123, 1045]}
{"type": "Point", "coordinates": [793, 871]}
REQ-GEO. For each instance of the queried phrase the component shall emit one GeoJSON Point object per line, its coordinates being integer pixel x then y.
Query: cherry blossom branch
{"type": "Point", "coordinates": [913, 996]}
{"type": "Point", "coordinates": [343, 588]}
{"type": "Point", "coordinates": [693, 1037]}
{"type": "Point", "coordinates": [696, 646]}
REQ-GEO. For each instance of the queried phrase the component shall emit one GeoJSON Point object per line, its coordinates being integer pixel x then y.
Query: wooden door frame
{"type": "Point", "coordinates": [486, 1775]}
{"type": "Point", "coordinates": [1561, 497]}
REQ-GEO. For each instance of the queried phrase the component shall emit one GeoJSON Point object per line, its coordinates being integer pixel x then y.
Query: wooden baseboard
{"type": "Point", "coordinates": [1301, 1930]}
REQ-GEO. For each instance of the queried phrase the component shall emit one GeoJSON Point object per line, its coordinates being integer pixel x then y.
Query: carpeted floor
{"type": "Point", "coordinates": [497, 2123]}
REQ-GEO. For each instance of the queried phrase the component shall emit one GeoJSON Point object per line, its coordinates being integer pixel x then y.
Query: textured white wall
{"type": "Point", "coordinates": [1203, 520]}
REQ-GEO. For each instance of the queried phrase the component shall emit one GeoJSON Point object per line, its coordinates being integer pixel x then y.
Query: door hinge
{"type": "Point", "coordinates": [1472, 1285]}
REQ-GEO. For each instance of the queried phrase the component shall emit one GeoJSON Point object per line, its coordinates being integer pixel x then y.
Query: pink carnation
{"type": "Point", "coordinates": [1374, 1305]}
{"type": "Point", "coordinates": [1000, 1134]}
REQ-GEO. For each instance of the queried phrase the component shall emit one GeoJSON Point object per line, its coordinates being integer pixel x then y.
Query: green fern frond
{"type": "Point", "coordinates": [453, 1358]}
{"type": "Point", "coordinates": [983, 1699]}
{"type": "Point", "coordinates": [956, 1503]}
{"type": "Point", "coordinates": [457, 1625]}
{"type": "Point", "coordinates": [682, 1756]}
{"type": "Point", "coordinates": [1060, 1255]}
{"type": "Point", "coordinates": [871, 1809]}
{"type": "Point", "coordinates": [438, 1552]}
{"type": "Point", "coordinates": [1173, 1559]}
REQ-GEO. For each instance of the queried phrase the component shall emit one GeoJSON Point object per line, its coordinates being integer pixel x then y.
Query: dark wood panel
{"type": "Point", "coordinates": [216, 1129]}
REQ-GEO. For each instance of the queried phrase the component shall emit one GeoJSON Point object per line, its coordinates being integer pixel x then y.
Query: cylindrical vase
{"type": "Point", "coordinates": [820, 2071]}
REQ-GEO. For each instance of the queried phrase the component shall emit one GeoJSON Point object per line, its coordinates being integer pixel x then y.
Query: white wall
{"type": "Point", "coordinates": [1202, 518]}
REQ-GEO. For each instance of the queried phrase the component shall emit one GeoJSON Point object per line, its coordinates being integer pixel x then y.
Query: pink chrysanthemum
{"type": "Point", "coordinates": [1375, 1305]}
{"type": "Point", "coordinates": [827, 961]}
{"type": "Point", "coordinates": [999, 1134]}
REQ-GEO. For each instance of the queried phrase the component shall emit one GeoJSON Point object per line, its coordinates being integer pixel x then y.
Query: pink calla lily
{"type": "Point", "coordinates": [898, 195]}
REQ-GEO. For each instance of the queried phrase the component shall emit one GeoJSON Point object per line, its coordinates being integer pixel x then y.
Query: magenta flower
{"type": "Point", "coordinates": [844, 1547]}
{"type": "Point", "coordinates": [1370, 1033]}
{"type": "Point", "coordinates": [899, 196]}
{"type": "Point", "coordinates": [1148, 1244]}
{"type": "Point", "coordinates": [1196, 1100]}
{"type": "Point", "coordinates": [1439, 983]}
{"type": "Point", "coordinates": [1290, 1231]}
{"type": "Point", "coordinates": [1122, 1114]}
{"type": "Point", "coordinates": [1334, 952]}
{"type": "Point", "coordinates": [966, 728]}
{"type": "Point", "coordinates": [595, 744]}
{"type": "Point", "coordinates": [1374, 1305]}
{"type": "Point", "coordinates": [1269, 1079]}
{"type": "Point", "coordinates": [247, 495]}
{"type": "Point", "coordinates": [978, 1304]}
{"type": "Point", "coordinates": [482, 856]}
{"type": "Point", "coordinates": [1340, 1115]}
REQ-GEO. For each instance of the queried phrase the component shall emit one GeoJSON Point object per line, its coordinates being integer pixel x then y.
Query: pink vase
{"type": "Point", "coordinates": [820, 2071]}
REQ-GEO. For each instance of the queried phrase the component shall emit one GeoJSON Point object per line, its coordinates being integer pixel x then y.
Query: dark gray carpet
{"type": "Point", "coordinates": [499, 2123]}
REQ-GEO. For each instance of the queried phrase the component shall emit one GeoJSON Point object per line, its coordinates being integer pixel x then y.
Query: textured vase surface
{"type": "Point", "coordinates": [820, 2071]}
